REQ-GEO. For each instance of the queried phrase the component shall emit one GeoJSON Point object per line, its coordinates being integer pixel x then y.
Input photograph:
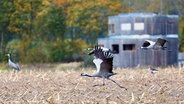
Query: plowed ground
{"type": "Point", "coordinates": [62, 84]}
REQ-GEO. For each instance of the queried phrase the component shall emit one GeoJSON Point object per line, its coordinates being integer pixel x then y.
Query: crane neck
{"type": "Point", "coordinates": [9, 60]}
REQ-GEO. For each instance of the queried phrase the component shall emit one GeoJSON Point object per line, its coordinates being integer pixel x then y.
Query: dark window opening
{"type": "Point", "coordinates": [129, 47]}
{"type": "Point", "coordinates": [115, 48]}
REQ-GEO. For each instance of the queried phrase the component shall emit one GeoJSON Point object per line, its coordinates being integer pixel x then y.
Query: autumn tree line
{"type": "Point", "coordinates": [59, 30]}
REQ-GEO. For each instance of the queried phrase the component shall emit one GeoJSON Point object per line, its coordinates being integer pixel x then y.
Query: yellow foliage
{"type": "Point", "coordinates": [13, 28]}
{"type": "Point", "coordinates": [45, 2]}
{"type": "Point", "coordinates": [181, 25]}
{"type": "Point", "coordinates": [91, 10]}
{"type": "Point", "coordinates": [79, 45]}
{"type": "Point", "coordinates": [59, 2]}
{"type": "Point", "coordinates": [44, 10]}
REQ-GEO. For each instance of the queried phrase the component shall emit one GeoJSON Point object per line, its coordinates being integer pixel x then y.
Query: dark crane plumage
{"type": "Point", "coordinates": [103, 60]}
{"type": "Point", "coordinates": [152, 70]}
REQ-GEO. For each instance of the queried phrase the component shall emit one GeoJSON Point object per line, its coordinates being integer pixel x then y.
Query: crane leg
{"type": "Point", "coordinates": [103, 81]}
{"type": "Point", "coordinates": [117, 83]}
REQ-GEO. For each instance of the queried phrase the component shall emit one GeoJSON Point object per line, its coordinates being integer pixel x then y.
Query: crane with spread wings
{"type": "Point", "coordinates": [103, 60]}
{"type": "Point", "coordinates": [158, 44]}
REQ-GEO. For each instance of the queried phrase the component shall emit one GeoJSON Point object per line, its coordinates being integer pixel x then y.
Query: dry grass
{"type": "Point", "coordinates": [32, 85]}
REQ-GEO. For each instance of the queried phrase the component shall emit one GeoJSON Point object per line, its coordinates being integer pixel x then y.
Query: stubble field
{"type": "Point", "coordinates": [62, 84]}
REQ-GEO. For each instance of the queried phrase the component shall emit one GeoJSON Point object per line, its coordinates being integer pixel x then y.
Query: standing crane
{"type": "Point", "coordinates": [12, 64]}
{"type": "Point", "coordinates": [159, 44]}
{"type": "Point", "coordinates": [103, 61]}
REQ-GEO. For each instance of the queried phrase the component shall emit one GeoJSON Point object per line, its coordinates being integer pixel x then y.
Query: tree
{"type": "Point", "coordinates": [54, 23]}
{"type": "Point", "coordinates": [22, 22]}
{"type": "Point", "coordinates": [6, 9]}
{"type": "Point", "coordinates": [88, 18]}
{"type": "Point", "coordinates": [156, 6]}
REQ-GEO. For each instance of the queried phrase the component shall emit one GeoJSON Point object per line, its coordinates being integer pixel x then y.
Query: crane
{"type": "Point", "coordinates": [158, 44]}
{"type": "Point", "coordinates": [103, 61]}
{"type": "Point", "coordinates": [152, 70]}
{"type": "Point", "coordinates": [12, 64]}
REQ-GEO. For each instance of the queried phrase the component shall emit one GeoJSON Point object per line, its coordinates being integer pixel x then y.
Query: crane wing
{"type": "Point", "coordinates": [97, 51]}
{"type": "Point", "coordinates": [97, 63]}
{"type": "Point", "coordinates": [107, 64]}
{"type": "Point", "coordinates": [13, 65]}
{"type": "Point", "coordinates": [147, 43]}
{"type": "Point", "coordinates": [160, 42]}
{"type": "Point", "coordinates": [103, 59]}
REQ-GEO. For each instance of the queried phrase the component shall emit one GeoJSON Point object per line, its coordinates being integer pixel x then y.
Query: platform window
{"type": "Point", "coordinates": [111, 28]}
{"type": "Point", "coordinates": [115, 48]}
{"type": "Point", "coordinates": [125, 26]}
{"type": "Point", "coordinates": [129, 47]}
{"type": "Point", "coordinates": [138, 26]}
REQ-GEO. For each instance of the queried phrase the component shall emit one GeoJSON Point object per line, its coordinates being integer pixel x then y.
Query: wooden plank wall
{"type": "Point", "coordinates": [154, 25]}
{"type": "Point", "coordinates": [140, 56]}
